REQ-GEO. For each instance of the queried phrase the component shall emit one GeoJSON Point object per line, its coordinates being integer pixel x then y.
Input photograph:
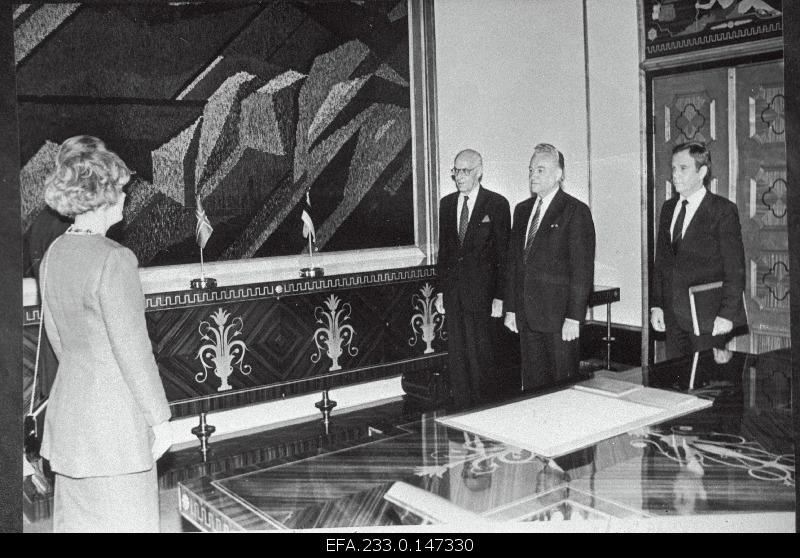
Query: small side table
{"type": "Point", "coordinates": [605, 295]}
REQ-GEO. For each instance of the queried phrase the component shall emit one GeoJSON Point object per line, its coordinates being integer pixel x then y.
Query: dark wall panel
{"type": "Point", "coordinates": [10, 292]}
{"type": "Point", "coordinates": [791, 21]}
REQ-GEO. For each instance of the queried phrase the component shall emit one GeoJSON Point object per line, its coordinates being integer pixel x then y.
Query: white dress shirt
{"type": "Point", "coordinates": [691, 208]}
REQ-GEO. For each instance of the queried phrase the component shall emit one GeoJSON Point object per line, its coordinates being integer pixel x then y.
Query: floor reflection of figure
{"type": "Point", "coordinates": [688, 493]}
{"type": "Point", "coordinates": [674, 476]}
{"type": "Point", "coordinates": [718, 377]}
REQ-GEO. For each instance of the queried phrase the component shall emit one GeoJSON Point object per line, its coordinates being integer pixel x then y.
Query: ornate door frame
{"type": "Point", "coordinates": [736, 106]}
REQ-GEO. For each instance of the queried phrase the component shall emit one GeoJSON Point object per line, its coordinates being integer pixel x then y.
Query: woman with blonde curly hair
{"type": "Point", "coordinates": [107, 420]}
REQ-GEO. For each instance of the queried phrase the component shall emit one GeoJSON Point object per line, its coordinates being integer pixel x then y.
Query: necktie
{"type": "Point", "coordinates": [533, 228]}
{"type": "Point", "coordinates": [677, 230]}
{"type": "Point", "coordinates": [464, 221]}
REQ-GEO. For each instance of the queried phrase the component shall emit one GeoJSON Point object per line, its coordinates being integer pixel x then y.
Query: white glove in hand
{"type": "Point", "coordinates": [657, 319]}
{"type": "Point", "coordinates": [571, 330]}
{"type": "Point", "coordinates": [162, 439]}
{"type": "Point", "coordinates": [497, 308]}
{"type": "Point", "coordinates": [511, 321]}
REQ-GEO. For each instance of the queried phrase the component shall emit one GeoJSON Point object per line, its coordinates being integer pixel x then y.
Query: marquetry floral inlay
{"type": "Point", "coordinates": [334, 336]}
{"type": "Point", "coordinates": [427, 322]}
{"type": "Point", "coordinates": [222, 352]}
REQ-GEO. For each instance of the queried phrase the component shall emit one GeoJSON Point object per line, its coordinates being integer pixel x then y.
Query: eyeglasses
{"type": "Point", "coordinates": [455, 172]}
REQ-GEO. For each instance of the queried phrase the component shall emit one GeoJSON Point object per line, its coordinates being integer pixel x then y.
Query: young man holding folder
{"type": "Point", "coordinates": [699, 242]}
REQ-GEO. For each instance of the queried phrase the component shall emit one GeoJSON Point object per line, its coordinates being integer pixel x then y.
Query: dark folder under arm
{"type": "Point", "coordinates": [705, 301]}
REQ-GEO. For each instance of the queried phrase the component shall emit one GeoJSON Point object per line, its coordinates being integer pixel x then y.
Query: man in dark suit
{"type": "Point", "coordinates": [551, 272]}
{"type": "Point", "coordinates": [699, 241]}
{"type": "Point", "coordinates": [473, 239]}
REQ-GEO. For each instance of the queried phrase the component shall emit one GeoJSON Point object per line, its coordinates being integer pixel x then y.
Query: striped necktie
{"type": "Point", "coordinates": [533, 228]}
{"type": "Point", "coordinates": [464, 221]}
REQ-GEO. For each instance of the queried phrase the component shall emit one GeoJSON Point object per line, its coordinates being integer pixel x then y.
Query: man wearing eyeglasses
{"type": "Point", "coordinates": [551, 272]}
{"type": "Point", "coordinates": [474, 225]}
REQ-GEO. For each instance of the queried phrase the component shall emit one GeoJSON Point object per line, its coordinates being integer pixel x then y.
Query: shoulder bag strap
{"type": "Point", "coordinates": [43, 276]}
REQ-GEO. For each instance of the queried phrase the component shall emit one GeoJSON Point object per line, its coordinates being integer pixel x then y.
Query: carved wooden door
{"type": "Point", "coordinates": [738, 112]}
{"type": "Point", "coordinates": [689, 107]}
{"type": "Point", "coordinates": [761, 197]}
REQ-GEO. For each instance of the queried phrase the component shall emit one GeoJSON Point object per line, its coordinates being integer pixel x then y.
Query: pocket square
{"type": "Point", "coordinates": [486, 219]}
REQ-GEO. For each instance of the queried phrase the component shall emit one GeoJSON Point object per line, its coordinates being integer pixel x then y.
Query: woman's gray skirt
{"type": "Point", "coordinates": [115, 504]}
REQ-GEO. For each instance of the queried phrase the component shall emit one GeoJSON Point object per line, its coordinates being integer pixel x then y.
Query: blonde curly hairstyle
{"type": "Point", "coordinates": [87, 176]}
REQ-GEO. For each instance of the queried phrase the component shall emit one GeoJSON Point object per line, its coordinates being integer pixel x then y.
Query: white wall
{"type": "Point", "coordinates": [512, 73]}
{"type": "Point", "coordinates": [615, 152]}
{"type": "Point", "coordinates": [509, 77]}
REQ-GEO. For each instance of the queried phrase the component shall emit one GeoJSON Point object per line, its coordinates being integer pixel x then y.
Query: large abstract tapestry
{"type": "Point", "coordinates": [244, 107]}
{"type": "Point", "coordinates": [675, 26]}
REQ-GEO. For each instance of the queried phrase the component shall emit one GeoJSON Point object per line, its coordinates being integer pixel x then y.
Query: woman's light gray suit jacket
{"type": "Point", "coordinates": [107, 393]}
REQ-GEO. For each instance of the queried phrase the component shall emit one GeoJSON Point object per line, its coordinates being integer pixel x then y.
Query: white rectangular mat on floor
{"type": "Point", "coordinates": [559, 423]}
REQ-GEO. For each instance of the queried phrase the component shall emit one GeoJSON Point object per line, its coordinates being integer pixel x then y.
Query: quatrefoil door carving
{"type": "Point", "coordinates": [774, 198]}
{"type": "Point", "coordinates": [690, 121]}
{"type": "Point", "coordinates": [690, 117]}
{"type": "Point", "coordinates": [773, 115]}
{"type": "Point", "coordinates": [776, 280]}
{"type": "Point", "coordinates": [766, 114]}
{"type": "Point", "coordinates": [762, 200]}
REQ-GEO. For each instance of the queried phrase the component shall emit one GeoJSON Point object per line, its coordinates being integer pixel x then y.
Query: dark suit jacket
{"type": "Point", "coordinates": [476, 271]}
{"type": "Point", "coordinates": [557, 279]}
{"type": "Point", "coordinates": [711, 250]}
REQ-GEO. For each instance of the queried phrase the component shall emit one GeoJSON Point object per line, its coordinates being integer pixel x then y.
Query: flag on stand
{"type": "Point", "coordinates": [308, 224]}
{"type": "Point", "coordinates": [204, 228]}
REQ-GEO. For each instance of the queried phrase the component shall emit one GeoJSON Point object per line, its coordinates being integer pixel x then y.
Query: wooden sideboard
{"type": "Point", "coordinates": [285, 337]}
